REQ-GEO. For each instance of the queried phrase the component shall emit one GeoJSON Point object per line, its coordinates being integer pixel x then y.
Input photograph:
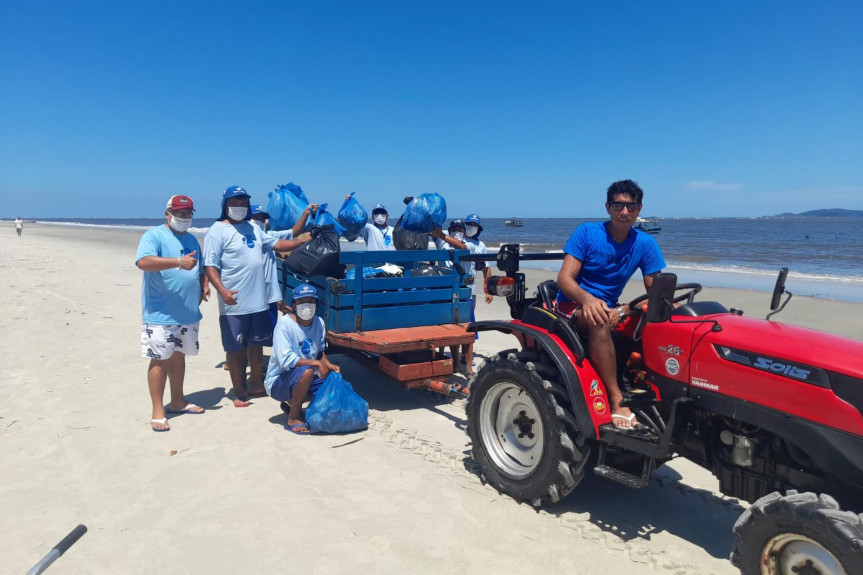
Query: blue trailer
{"type": "Point", "coordinates": [399, 323]}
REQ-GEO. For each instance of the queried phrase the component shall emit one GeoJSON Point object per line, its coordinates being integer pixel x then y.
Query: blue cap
{"type": "Point", "coordinates": [379, 208]}
{"type": "Point", "coordinates": [456, 224]}
{"type": "Point", "coordinates": [473, 219]}
{"type": "Point", "coordinates": [233, 192]}
{"type": "Point", "coordinates": [259, 210]}
{"type": "Point", "coordinates": [305, 290]}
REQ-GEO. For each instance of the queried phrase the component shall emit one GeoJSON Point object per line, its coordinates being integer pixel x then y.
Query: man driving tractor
{"type": "Point", "coordinates": [600, 257]}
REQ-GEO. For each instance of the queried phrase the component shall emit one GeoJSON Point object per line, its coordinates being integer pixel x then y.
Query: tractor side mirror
{"type": "Point", "coordinates": [659, 301]}
{"type": "Point", "coordinates": [779, 289]}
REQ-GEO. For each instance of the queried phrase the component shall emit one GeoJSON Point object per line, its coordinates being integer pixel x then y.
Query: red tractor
{"type": "Point", "coordinates": [767, 408]}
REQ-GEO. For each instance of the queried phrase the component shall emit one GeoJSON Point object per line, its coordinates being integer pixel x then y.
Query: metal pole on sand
{"type": "Point", "coordinates": [58, 550]}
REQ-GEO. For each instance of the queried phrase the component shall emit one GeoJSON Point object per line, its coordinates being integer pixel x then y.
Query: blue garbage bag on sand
{"type": "Point", "coordinates": [324, 218]}
{"type": "Point", "coordinates": [337, 408]}
{"type": "Point", "coordinates": [286, 205]}
{"type": "Point", "coordinates": [425, 213]}
{"type": "Point", "coordinates": [352, 216]}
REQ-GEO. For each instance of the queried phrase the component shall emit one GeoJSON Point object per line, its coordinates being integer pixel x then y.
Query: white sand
{"type": "Point", "coordinates": [241, 495]}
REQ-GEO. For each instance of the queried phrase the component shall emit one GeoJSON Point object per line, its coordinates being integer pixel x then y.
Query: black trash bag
{"type": "Point", "coordinates": [405, 240]}
{"type": "Point", "coordinates": [422, 270]}
{"type": "Point", "coordinates": [319, 257]}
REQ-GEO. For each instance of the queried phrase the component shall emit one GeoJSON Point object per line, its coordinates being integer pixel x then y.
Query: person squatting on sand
{"type": "Point", "coordinates": [172, 291]}
{"type": "Point", "coordinates": [298, 365]}
{"type": "Point", "coordinates": [600, 257]}
{"type": "Point", "coordinates": [454, 239]}
{"type": "Point", "coordinates": [234, 259]}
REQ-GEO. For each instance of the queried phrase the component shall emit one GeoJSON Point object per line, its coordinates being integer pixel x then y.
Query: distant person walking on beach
{"type": "Point", "coordinates": [19, 225]}
{"type": "Point", "coordinates": [377, 235]}
{"type": "Point", "coordinates": [234, 260]}
{"type": "Point", "coordinates": [600, 257]}
{"type": "Point", "coordinates": [299, 365]}
{"type": "Point", "coordinates": [171, 295]}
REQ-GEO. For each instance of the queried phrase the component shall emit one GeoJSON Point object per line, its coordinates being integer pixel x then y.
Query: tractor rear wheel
{"type": "Point", "coordinates": [523, 432]}
{"type": "Point", "coordinates": [798, 534]}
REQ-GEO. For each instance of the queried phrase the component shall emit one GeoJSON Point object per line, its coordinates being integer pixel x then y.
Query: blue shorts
{"type": "Point", "coordinates": [273, 310]}
{"type": "Point", "coordinates": [283, 387]}
{"type": "Point", "coordinates": [241, 331]}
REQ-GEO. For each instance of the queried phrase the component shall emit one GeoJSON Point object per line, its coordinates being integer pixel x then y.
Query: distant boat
{"type": "Point", "coordinates": [648, 225]}
{"type": "Point", "coordinates": [517, 222]}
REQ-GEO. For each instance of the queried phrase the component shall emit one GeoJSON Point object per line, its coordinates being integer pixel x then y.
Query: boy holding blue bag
{"type": "Point", "coordinates": [298, 365]}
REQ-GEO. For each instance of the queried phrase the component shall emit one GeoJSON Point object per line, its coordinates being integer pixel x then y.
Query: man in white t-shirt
{"type": "Point", "coordinates": [234, 259]}
{"type": "Point", "coordinates": [378, 235]}
{"type": "Point", "coordinates": [19, 225]}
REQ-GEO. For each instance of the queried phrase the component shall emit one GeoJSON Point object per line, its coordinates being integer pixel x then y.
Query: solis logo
{"type": "Point", "coordinates": [783, 368]}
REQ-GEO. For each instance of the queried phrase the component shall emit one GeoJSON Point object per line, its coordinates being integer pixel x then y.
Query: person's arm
{"type": "Point", "coordinates": [437, 233]}
{"type": "Point", "coordinates": [229, 296]}
{"type": "Point", "coordinates": [487, 274]}
{"type": "Point", "coordinates": [596, 312]}
{"type": "Point", "coordinates": [301, 223]}
{"type": "Point", "coordinates": [289, 245]}
{"type": "Point", "coordinates": [158, 264]}
{"type": "Point", "coordinates": [205, 287]}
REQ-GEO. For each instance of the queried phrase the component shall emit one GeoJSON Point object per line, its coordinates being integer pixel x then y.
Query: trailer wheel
{"type": "Point", "coordinates": [799, 533]}
{"type": "Point", "coordinates": [523, 432]}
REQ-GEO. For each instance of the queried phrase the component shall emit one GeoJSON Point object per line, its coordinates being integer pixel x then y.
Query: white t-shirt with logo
{"type": "Point", "coordinates": [293, 342]}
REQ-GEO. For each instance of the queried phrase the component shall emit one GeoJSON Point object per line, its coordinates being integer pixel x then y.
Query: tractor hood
{"type": "Point", "coordinates": [794, 345]}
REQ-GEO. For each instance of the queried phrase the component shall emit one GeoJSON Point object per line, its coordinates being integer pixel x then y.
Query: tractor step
{"type": "Point", "coordinates": [620, 476]}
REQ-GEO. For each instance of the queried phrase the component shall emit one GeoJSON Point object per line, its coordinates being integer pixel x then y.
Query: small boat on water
{"type": "Point", "coordinates": [517, 222]}
{"type": "Point", "coordinates": [648, 225]}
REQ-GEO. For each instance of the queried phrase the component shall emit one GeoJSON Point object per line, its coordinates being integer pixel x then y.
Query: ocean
{"type": "Point", "coordinates": [824, 255]}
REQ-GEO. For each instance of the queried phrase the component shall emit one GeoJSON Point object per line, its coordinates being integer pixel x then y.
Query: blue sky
{"type": "Point", "coordinates": [504, 108]}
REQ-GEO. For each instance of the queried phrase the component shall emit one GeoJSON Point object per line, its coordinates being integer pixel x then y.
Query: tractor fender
{"type": "Point", "coordinates": [565, 362]}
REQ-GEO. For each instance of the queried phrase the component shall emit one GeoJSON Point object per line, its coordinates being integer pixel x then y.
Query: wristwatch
{"type": "Point", "coordinates": [621, 312]}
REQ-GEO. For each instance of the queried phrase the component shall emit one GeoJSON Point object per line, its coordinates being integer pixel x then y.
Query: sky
{"type": "Point", "coordinates": [530, 109]}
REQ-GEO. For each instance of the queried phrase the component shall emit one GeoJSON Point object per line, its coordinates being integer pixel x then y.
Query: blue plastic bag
{"type": "Point", "coordinates": [352, 216]}
{"type": "Point", "coordinates": [425, 213]}
{"type": "Point", "coordinates": [337, 408]}
{"type": "Point", "coordinates": [286, 206]}
{"type": "Point", "coordinates": [324, 218]}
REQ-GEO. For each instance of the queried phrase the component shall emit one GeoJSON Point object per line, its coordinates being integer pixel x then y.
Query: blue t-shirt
{"type": "Point", "coordinates": [172, 296]}
{"type": "Point", "coordinates": [606, 266]}
{"type": "Point", "coordinates": [293, 342]}
{"type": "Point", "coordinates": [377, 239]}
{"type": "Point", "coordinates": [238, 251]}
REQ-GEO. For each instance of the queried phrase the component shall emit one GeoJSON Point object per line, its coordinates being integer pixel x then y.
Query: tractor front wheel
{"type": "Point", "coordinates": [523, 432]}
{"type": "Point", "coordinates": [798, 534]}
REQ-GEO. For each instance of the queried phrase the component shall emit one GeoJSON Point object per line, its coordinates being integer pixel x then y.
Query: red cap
{"type": "Point", "coordinates": [180, 203]}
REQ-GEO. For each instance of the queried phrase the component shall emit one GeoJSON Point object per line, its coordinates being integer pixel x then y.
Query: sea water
{"type": "Point", "coordinates": [824, 255]}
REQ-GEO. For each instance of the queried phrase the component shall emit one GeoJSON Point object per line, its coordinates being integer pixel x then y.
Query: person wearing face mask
{"type": "Point", "coordinates": [455, 239]}
{"type": "Point", "coordinates": [378, 235]}
{"type": "Point", "coordinates": [172, 291]}
{"type": "Point", "coordinates": [298, 365]}
{"type": "Point", "coordinates": [235, 253]}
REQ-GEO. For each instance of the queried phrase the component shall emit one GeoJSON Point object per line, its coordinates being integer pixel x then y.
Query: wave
{"type": "Point", "coordinates": [746, 270]}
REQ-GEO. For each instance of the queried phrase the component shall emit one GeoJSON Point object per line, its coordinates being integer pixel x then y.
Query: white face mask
{"type": "Point", "coordinates": [306, 311]}
{"type": "Point", "coordinates": [471, 231]}
{"type": "Point", "coordinates": [379, 219]}
{"type": "Point", "coordinates": [457, 235]}
{"type": "Point", "coordinates": [180, 224]}
{"type": "Point", "coordinates": [260, 224]}
{"type": "Point", "coordinates": [238, 213]}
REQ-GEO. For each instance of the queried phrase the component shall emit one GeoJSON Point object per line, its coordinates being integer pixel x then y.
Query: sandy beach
{"type": "Point", "coordinates": [230, 491]}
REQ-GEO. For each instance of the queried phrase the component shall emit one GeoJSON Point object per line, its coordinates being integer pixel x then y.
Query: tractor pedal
{"type": "Point", "coordinates": [620, 476]}
{"type": "Point", "coordinates": [640, 433]}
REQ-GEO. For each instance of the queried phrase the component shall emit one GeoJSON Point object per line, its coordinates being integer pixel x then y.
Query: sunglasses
{"type": "Point", "coordinates": [618, 206]}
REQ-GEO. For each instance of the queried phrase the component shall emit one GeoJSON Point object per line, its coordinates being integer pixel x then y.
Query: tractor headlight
{"type": "Point", "coordinates": [501, 286]}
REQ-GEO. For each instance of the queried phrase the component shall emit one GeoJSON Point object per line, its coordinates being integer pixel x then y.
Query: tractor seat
{"type": "Point", "coordinates": [699, 308]}
{"type": "Point", "coordinates": [547, 291]}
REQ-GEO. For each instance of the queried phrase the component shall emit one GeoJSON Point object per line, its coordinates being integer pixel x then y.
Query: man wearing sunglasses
{"type": "Point", "coordinates": [600, 258]}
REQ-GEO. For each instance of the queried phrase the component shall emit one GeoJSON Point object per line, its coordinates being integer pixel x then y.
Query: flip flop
{"type": "Point", "coordinates": [633, 423]}
{"type": "Point", "coordinates": [190, 407]}
{"type": "Point", "coordinates": [163, 421]}
{"type": "Point", "coordinates": [293, 428]}
{"type": "Point", "coordinates": [241, 401]}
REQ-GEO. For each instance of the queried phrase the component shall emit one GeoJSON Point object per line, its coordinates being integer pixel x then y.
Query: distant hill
{"type": "Point", "coordinates": [829, 213]}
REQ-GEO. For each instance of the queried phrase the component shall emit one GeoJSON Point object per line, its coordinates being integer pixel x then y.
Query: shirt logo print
{"type": "Point", "coordinates": [306, 346]}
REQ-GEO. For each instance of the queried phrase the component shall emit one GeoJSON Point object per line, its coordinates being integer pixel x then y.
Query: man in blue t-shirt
{"type": "Point", "coordinates": [600, 258]}
{"type": "Point", "coordinates": [234, 260]}
{"type": "Point", "coordinates": [172, 291]}
{"type": "Point", "coordinates": [298, 365]}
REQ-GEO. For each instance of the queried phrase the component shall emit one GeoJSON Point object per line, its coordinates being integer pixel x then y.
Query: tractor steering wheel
{"type": "Point", "coordinates": [689, 296]}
